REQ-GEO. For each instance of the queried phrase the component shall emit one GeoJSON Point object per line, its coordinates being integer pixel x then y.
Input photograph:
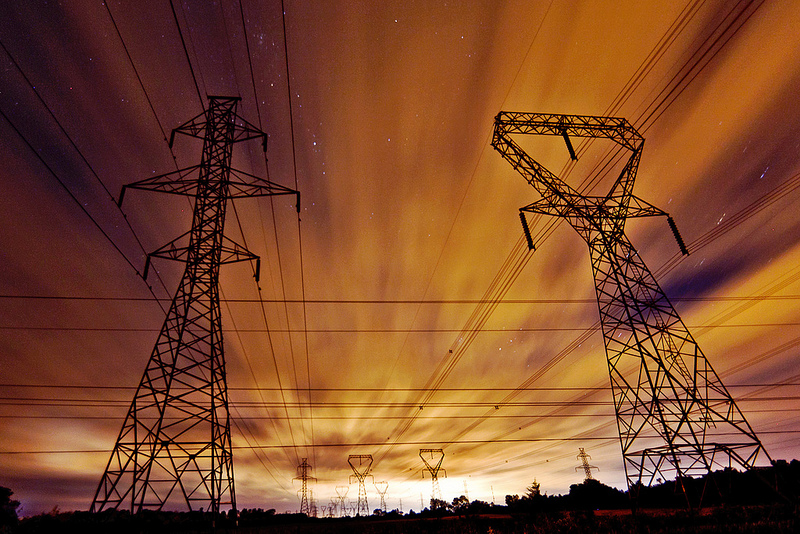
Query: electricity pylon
{"type": "Point", "coordinates": [341, 496]}
{"type": "Point", "coordinates": [674, 415]}
{"type": "Point", "coordinates": [304, 476]}
{"type": "Point", "coordinates": [361, 464]}
{"type": "Point", "coordinates": [175, 441]}
{"type": "Point", "coordinates": [333, 507]}
{"type": "Point", "coordinates": [587, 469]}
{"type": "Point", "coordinates": [434, 467]}
{"type": "Point", "coordinates": [381, 488]}
{"type": "Point", "coordinates": [312, 505]}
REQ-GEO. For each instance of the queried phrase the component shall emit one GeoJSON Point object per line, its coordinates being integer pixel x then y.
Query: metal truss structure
{"type": "Point", "coordinates": [675, 417]}
{"type": "Point", "coordinates": [304, 476]}
{"type": "Point", "coordinates": [341, 498]}
{"type": "Point", "coordinates": [587, 469]}
{"type": "Point", "coordinates": [361, 465]}
{"type": "Point", "coordinates": [381, 488]}
{"type": "Point", "coordinates": [312, 504]}
{"type": "Point", "coordinates": [175, 443]}
{"type": "Point", "coordinates": [333, 507]}
{"type": "Point", "coordinates": [432, 458]}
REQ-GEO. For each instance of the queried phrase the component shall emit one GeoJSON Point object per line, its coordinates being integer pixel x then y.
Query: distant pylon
{"type": "Point", "coordinates": [304, 476]}
{"type": "Point", "coordinates": [333, 507]}
{"type": "Point", "coordinates": [361, 464]}
{"type": "Point", "coordinates": [434, 467]}
{"type": "Point", "coordinates": [312, 504]}
{"type": "Point", "coordinates": [381, 488]}
{"type": "Point", "coordinates": [674, 415]}
{"type": "Point", "coordinates": [587, 469]}
{"type": "Point", "coordinates": [341, 497]}
{"type": "Point", "coordinates": [175, 441]}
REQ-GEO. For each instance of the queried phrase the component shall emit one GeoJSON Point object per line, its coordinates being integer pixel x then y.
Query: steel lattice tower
{"type": "Point", "coordinates": [587, 469]}
{"type": "Point", "coordinates": [175, 442]}
{"type": "Point", "coordinates": [434, 467]}
{"type": "Point", "coordinates": [341, 496]}
{"type": "Point", "coordinates": [361, 465]}
{"type": "Point", "coordinates": [381, 488]}
{"type": "Point", "coordinates": [674, 415]}
{"type": "Point", "coordinates": [333, 507]}
{"type": "Point", "coordinates": [304, 476]}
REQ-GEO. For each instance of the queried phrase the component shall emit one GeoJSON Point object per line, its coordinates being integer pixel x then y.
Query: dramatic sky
{"type": "Point", "coordinates": [403, 306]}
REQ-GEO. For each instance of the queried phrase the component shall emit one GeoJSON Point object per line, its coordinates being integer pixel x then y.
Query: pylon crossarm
{"type": "Point", "coordinates": [562, 206]}
{"type": "Point", "coordinates": [233, 252]}
{"type": "Point", "coordinates": [242, 130]}
{"type": "Point", "coordinates": [245, 131]}
{"type": "Point", "coordinates": [166, 183]}
{"type": "Point", "coordinates": [243, 185]}
{"type": "Point", "coordinates": [433, 469]}
{"type": "Point", "coordinates": [175, 250]}
{"type": "Point", "coordinates": [617, 129]}
{"type": "Point", "coordinates": [240, 184]}
{"type": "Point", "coordinates": [640, 208]}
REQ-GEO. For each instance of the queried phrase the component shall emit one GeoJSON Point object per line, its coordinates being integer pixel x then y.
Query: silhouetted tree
{"type": "Point", "coordinates": [533, 490]}
{"type": "Point", "coordinates": [8, 508]}
{"type": "Point", "coordinates": [438, 504]}
{"type": "Point", "coordinates": [460, 505]}
{"type": "Point", "coordinates": [593, 494]}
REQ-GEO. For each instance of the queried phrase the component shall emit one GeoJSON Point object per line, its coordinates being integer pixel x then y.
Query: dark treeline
{"type": "Point", "coordinates": [763, 500]}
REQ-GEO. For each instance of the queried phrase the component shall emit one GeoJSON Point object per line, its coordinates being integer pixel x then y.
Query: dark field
{"type": "Point", "coordinates": [778, 519]}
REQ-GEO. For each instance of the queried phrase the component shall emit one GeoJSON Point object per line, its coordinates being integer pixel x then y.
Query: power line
{"type": "Point", "coordinates": [186, 53]}
{"type": "Point", "coordinates": [387, 390]}
{"type": "Point", "coordinates": [510, 330]}
{"type": "Point", "coordinates": [110, 403]}
{"type": "Point", "coordinates": [243, 418]}
{"type": "Point", "coordinates": [299, 232]}
{"type": "Point", "coordinates": [448, 362]}
{"type": "Point", "coordinates": [63, 130]}
{"type": "Point", "coordinates": [377, 444]}
{"type": "Point", "coordinates": [454, 301]}
{"type": "Point", "coordinates": [70, 194]}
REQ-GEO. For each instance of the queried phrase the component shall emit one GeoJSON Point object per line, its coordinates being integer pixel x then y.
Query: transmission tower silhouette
{"type": "Point", "coordinates": [361, 464]}
{"type": "Point", "coordinates": [333, 507]}
{"type": "Point", "coordinates": [175, 441]}
{"type": "Point", "coordinates": [304, 476]}
{"type": "Point", "coordinates": [434, 467]}
{"type": "Point", "coordinates": [587, 469]}
{"type": "Point", "coordinates": [312, 506]}
{"type": "Point", "coordinates": [675, 417]}
{"type": "Point", "coordinates": [381, 488]}
{"type": "Point", "coordinates": [341, 496]}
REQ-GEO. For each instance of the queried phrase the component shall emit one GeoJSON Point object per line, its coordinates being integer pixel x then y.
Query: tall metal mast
{"type": "Point", "coordinates": [674, 415]}
{"type": "Point", "coordinates": [434, 467]}
{"type": "Point", "coordinates": [304, 476]}
{"type": "Point", "coordinates": [175, 443]}
{"type": "Point", "coordinates": [587, 469]}
{"type": "Point", "coordinates": [361, 464]}
{"type": "Point", "coordinates": [381, 488]}
{"type": "Point", "coordinates": [341, 499]}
